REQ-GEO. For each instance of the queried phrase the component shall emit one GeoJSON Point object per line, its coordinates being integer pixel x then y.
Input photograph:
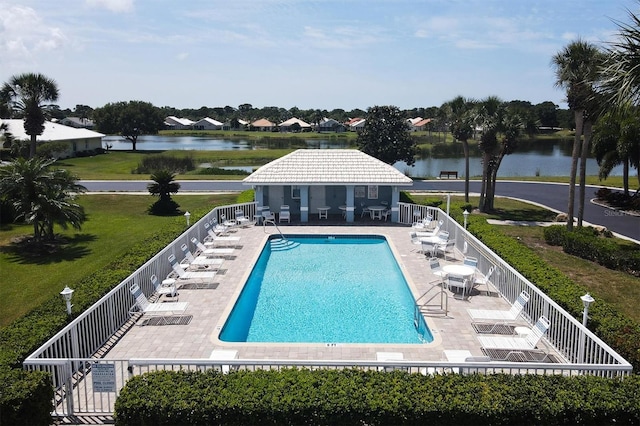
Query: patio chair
{"type": "Point", "coordinates": [386, 213]}
{"type": "Point", "coordinates": [285, 214]}
{"type": "Point", "coordinates": [436, 270]}
{"type": "Point", "coordinates": [515, 344]}
{"type": "Point", "coordinates": [142, 305]}
{"type": "Point", "coordinates": [198, 262]}
{"type": "Point", "coordinates": [470, 261]}
{"type": "Point", "coordinates": [189, 275]}
{"type": "Point", "coordinates": [499, 315]}
{"type": "Point", "coordinates": [267, 214]}
{"type": "Point", "coordinates": [241, 219]}
{"type": "Point", "coordinates": [213, 239]}
{"type": "Point", "coordinates": [457, 282]}
{"type": "Point", "coordinates": [445, 247]}
{"type": "Point", "coordinates": [485, 280]}
{"type": "Point", "coordinates": [365, 210]}
{"type": "Point", "coordinates": [230, 224]}
{"type": "Point", "coordinates": [214, 229]}
{"type": "Point", "coordinates": [167, 290]}
{"type": "Point", "coordinates": [203, 250]}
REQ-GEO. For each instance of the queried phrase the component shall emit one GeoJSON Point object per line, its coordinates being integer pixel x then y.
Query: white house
{"type": "Point", "coordinates": [78, 140]}
{"type": "Point", "coordinates": [207, 124]}
{"type": "Point", "coordinates": [175, 123]}
{"type": "Point", "coordinates": [286, 126]}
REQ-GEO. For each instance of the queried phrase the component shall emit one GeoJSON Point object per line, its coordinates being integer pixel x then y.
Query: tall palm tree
{"type": "Point", "coordinates": [461, 124]}
{"type": "Point", "coordinates": [41, 195]}
{"type": "Point", "coordinates": [29, 94]}
{"type": "Point", "coordinates": [576, 69]}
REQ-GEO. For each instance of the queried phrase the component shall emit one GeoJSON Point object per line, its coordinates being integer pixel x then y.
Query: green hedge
{"type": "Point", "coordinates": [26, 334]}
{"type": "Point", "coordinates": [587, 243]}
{"type": "Point", "coordinates": [25, 397]}
{"type": "Point", "coordinates": [356, 397]}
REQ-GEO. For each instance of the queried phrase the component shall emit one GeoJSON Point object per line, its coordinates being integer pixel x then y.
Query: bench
{"type": "Point", "coordinates": [448, 174]}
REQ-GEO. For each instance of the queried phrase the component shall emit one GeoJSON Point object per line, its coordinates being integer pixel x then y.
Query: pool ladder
{"type": "Point", "coordinates": [429, 308]}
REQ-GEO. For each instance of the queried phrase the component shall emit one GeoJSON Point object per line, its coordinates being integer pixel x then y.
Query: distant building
{"type": "Point", "coordinates": [263, 125]}
{"type": "Point", "coordinates": [175, 123]}
{"type": "Point", "coordinates": [207, 124]}
{"type": "Point", "coordinates": [293, 123]}
{"type": "Point", "coordinates": [330, 125]}
{"type": "Point", "coordinates": [78, 140]}
{"type": "Point", "coordinates": [78, 122]}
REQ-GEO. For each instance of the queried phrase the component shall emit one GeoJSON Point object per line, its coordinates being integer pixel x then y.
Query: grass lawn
{"type": "Point", "coordinates": [115, 223]}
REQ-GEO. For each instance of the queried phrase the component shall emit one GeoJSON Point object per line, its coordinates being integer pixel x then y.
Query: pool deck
{"type": "Point", "coordinates": [210, 307]}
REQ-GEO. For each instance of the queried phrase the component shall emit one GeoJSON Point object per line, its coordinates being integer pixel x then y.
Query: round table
{"type": "Point", "coordinates": [323, 212]}
{"type": "Point", "coordinates": [460, 270]}
{"type": "Point", "coordinates": [376, 211]}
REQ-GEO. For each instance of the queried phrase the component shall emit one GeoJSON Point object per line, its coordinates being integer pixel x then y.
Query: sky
{"type": "Point", "coordinates": [299, 53]}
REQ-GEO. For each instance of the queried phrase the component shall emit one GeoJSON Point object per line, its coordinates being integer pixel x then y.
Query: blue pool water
{"type": "Point", "coordinates": [326, 289]}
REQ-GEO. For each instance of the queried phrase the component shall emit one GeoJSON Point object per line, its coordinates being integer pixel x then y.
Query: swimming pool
{"type": "Point", "coordinates": [326, 289]}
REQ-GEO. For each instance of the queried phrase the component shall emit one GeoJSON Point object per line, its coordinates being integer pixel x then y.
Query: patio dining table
{"type": "Point", "coordinates": [376, 211]}
{"type": "Point", "coordinates": [465, 271]}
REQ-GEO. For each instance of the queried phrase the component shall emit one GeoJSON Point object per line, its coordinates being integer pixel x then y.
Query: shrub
{"type": "Point", "coordinates": [350, 397]}
{"type": "Point", "coordinates": [152, 163]}
{"type": "Point", "coordinates": [26, 397]}
{"type": "Point", "coordinates": [554, 235]}
{"type": "Point", "coordinates": [220, 172]}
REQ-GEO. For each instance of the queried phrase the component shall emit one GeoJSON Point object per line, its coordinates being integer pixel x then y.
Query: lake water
{"type": "Point", "coordinates": [551, 158]}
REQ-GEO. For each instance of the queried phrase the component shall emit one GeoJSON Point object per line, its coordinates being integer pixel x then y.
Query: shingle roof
{"type": "Point", "coordinates": [327, 166]}
{"type": "Point", "coordinates": [263, 122]}
{"type": "Point", "coordinates": [52, 132]}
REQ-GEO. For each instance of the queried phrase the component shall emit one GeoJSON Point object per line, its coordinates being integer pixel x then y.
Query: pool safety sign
{"type": "Point", "coordinates": [104, 377]}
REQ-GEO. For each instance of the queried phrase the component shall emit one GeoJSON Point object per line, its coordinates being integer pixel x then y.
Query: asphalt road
{"type": "Point", "coordinates": [551, 195]}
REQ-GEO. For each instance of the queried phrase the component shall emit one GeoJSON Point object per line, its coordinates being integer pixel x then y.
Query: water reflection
{"type": "Point", "coordinates": [532, 158]}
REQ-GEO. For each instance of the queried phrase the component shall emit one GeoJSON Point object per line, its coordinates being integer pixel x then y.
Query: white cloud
{"type": "Point", "coordinates": [113, 5]}
{"type": "Point", "coordinates": [23, 34]}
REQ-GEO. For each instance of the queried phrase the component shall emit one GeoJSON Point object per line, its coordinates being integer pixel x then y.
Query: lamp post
{"type": "Point", "coordinates": [586, 301]}
{"type": "Point", "coordinates": [465, 213]}
{"type": "Point", "coordinates": [66, 294]}
{"type": "Point", "coordinates": [187, 216]}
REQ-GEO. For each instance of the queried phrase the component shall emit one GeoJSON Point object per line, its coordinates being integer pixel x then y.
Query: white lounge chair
{"type": "Point", "coordinates": [214, 239]}
{"type": "Point", "coordinates": [432, 233]}
{"type": "Point", "coordinates": [200, 261]}
{"type": "Point", "coordinates": [285, 214]}
{"type": "Point", "coordinates": [499, 315]}
{"type": "Point", "coordinates": [215, 229]}
{"type": "Point", "coordinates": [203, 250]}
{"type": "Point", "coordinates": [142, 305]}
{"type": "Point", "coordinates": [189, 275]}
{"type": "Point", "coordinates": [527, 342]}
{"type": "Point", "coordinates": [422, 225]}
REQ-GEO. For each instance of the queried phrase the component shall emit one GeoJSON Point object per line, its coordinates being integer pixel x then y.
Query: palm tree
{"type": "Point", "coordinates": [42, 196]}
{"type": "Point", "coordinates": [461, 124]}
{"type": "Point", "coordinates": [616, 141]}
{"type": "Point", "coordinates": [576, 68]}
{"type": "Point", "coordinates": [28, 94]}
{"type": "Point", "coordinates": [163, 186]}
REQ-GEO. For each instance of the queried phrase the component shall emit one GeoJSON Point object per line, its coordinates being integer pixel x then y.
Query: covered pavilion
{"type": "Point", "coordinates": [332, 180]}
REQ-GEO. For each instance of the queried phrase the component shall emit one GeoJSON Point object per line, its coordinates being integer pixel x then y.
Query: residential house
{"type": "Point", "coordinates": [331, 125]}
{"type": "Point", "coordinates": [78, 140]}
{"type": "Point", "coordinates": [175, 123]}
{"type": "Point", "coordinates": [207, 124]}
{"type": "Point", "coordinates": [263, 125]}
{"type": "Point", "coordinates": [294, 124]}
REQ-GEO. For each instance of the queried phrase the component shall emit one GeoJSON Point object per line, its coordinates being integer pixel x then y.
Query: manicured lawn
{"type": "Point", "coordinates": [118, 165]}
{"type": "Point", "coordinates": [115, 223]}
